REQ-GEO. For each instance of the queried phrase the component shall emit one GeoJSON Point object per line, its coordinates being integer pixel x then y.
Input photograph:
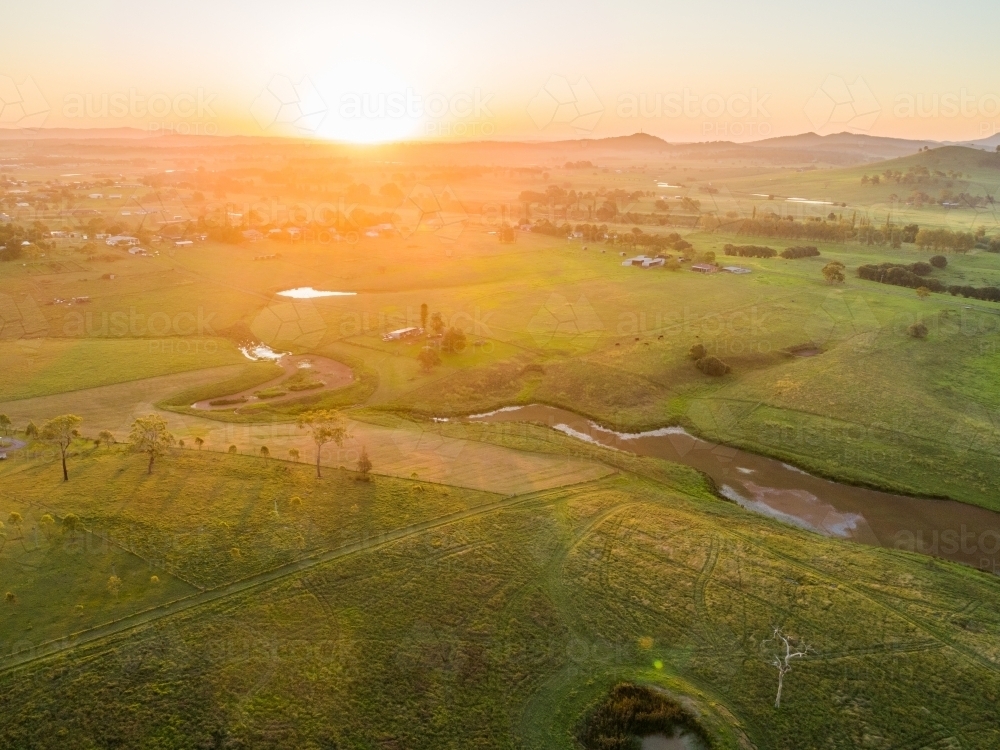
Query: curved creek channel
{"type": "Point", "coordinates": [943, 528]}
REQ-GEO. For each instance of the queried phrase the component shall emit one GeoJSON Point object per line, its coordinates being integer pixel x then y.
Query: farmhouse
{"type": "Point", "coordinates": [401, 334]}
{"type": "Point", "coordinates": [704, 268]}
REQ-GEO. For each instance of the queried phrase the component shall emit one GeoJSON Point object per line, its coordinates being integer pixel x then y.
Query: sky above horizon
{"type": "Point", "coordinates": [387, 70]}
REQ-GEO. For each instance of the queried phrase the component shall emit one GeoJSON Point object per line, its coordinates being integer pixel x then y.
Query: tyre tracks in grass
{"type": "Point", "coordinates": [936, 634]}
{"type": "Point", "coordinates": [212, 595]}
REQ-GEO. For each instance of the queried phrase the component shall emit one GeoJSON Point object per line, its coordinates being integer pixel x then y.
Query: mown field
{"type": "Point", "coordinates": [502, 627]}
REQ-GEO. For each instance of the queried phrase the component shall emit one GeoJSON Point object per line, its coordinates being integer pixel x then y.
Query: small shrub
{"type": "Point", "coordinates": [939, 261]}
{"type": "Point", "coordinates": [697, 351]}
{"type": "Point", "coordinates": [154, 580]}
{"type": "Point", "coordinates": [9, 597]}
{"type": "Point", "coordinates": [235, 553]}
{"type": "Point", "coordinates": [232, 449]}
{"type": "Point", "coordinates": [921, 269]}
{"type": "Point", "coordinates": [295, 501]}
{"type": "Point", "coordinates": [917, 330]}
{"type": "Point", "coordinates": [227, 401]}
{"type": "Point", "coordinates": [632, 711]}
{"type": "Point", "coordinates": [713, 366]}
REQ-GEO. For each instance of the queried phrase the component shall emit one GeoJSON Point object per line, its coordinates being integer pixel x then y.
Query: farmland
{"type": "Point", "coordinates": [487, 586]}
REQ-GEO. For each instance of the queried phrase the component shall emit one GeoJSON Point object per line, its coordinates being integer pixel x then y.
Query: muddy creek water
{"type": "Point", "coordinates": [944, 528]}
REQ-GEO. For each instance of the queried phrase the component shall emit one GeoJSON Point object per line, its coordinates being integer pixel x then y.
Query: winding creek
{"type": "Point", "coordinates": [944, 528]}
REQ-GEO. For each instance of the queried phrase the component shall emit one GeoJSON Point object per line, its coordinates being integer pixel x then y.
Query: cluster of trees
{"type": "Point", "coordinates": [912, 276]}
{"type": "Point", "coordinates": [12, 237]}
{"type": "Point", "coordinates": [985, 293]}
{"type": "Point", "coordinates": [771, 225]}
{"type": "Point", "coordinates": [801, 251]}
{"type": "Point", "coordinates": [749, 251]}
{"type": "Point", "coordinates": [447, 339]}
{"type": "Point", "coordinates": [148, 436]}
{"type": "Point", "coordinates": [945, 239]}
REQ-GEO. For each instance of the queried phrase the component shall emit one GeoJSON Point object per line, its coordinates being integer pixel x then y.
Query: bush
{"type": "Point", "coordinates": [986, 293]}
{"type": "Point", "coordinates": [453, 340]}
{"type": "Point", "coordinates": [805, 251]}
{"type": "Point", "coordinates": [749, 251]}
{"type": "Point", "coordinates": [921, 269]}
{"type": "Point", "coordinates": [697, 352]}
{"type": "Point", "coordinates": [227, 401]}
{"type": "Point", "coordinates": [713, 366]}
{"type": "Point", "coordinates": [308, 386]}
{"type": "Point", "coordinates": [917, 330]}
{"type": "Point", "coordinates": [428, 358]}
{"type": "Point", "coordinates": [939, 261]}
{"type": "Point", "coordinates": [232, 449]}
{"type": "Point", "coordinates": [899, 275]}
{"type": "Point", "coordinates": [632, 711]}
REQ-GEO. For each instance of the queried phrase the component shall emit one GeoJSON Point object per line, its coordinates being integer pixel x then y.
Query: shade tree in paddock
{"type": "Point", "coordinates": [324, 426]}
{"type": "Point", "coordinates": [149, 435]}
{"type": "Point", "coordinates": [61, 431]}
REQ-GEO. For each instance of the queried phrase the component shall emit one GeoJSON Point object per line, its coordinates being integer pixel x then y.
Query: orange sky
{"type": "Point", "coordinates": [387, 70]}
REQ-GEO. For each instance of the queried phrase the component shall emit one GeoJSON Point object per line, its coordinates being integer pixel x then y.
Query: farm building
{"type": "Point", "coordinates": [736, 269]}
{"type": "Point", "coordinates": [704, 268]}
{"type": "Point", "coordinates": [642, 261]}
{"type": "Point", "coordinates": [122, 239]}
{"type": "Point", "coordinates": [401, 334]}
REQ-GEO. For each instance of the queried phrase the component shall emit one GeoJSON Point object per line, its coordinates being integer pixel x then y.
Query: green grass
{"type": "Point", "coordinates": [41, 367]}
{"type": "Point", "coordinates": [504, 628]}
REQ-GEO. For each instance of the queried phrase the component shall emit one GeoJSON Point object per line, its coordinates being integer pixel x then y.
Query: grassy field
{"type": "Point", "coordinates": [494, 581]}
{"type": "Point", "coordinates": [502, 628]}
{"type": "Point", "coordinates": [40, 367]}
{"type": "Point", "coordinates": [548, 321]}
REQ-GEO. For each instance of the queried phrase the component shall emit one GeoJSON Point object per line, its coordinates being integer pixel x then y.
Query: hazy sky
{"type": "Point", "coordinates": [442, 68]}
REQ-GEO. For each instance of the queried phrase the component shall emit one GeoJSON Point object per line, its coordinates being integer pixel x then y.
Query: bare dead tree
{"type": "Point", "coordinates": [788, 648]}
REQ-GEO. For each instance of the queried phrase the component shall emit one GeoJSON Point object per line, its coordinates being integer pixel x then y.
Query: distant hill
{"type": "Point", "coordinates": [857, 145]}
{"type": "Point", "coordinates": [62, 134]}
